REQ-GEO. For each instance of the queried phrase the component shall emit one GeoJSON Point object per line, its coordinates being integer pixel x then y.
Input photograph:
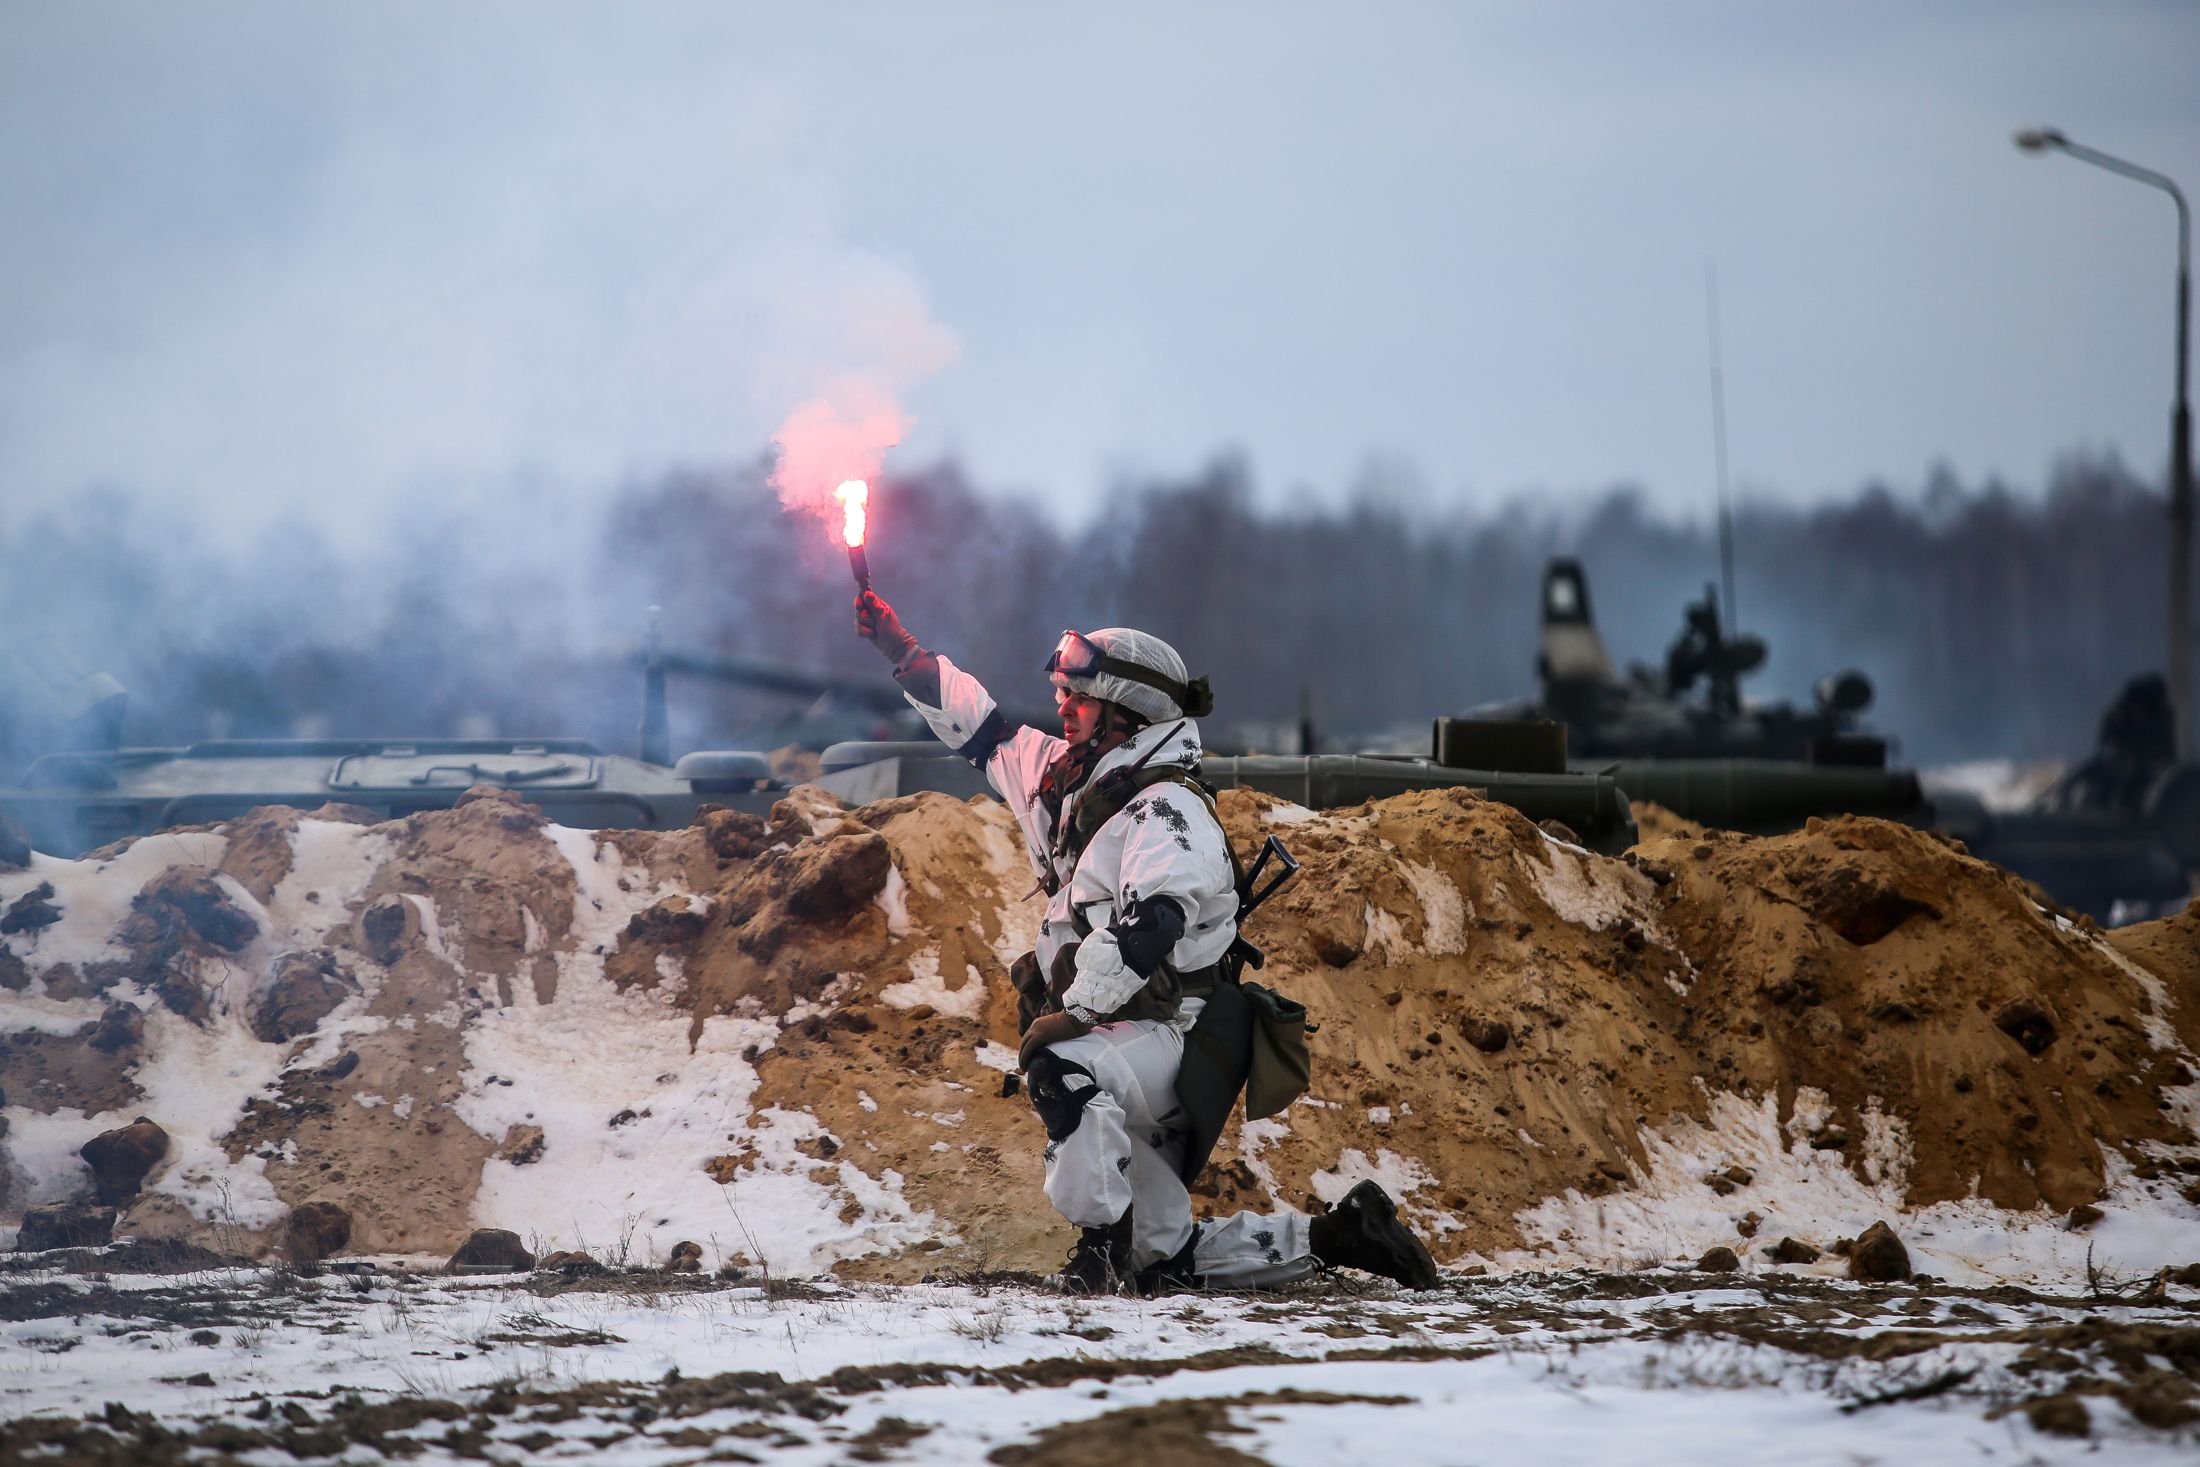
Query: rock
{"type": "Point", "coordinates": [1751, 1221]}
{"type": "Point", "coordinates": [1720, 1183]}
{"type": "Point", "coordinates": [178, 992]}
{"type": "Point", "coordinates": [1718, 1260]}
{"type": "Point", "coordinates": [33, 910]}
{"type": "Point", "coordinates": [2189, 1276]}
{"type": "Point", "coordinates": [522, 1145]}
{"type": "Point", "coordinates": [1878, 1256]}
{"type": "Point", "coordinates": [202, 903]}
{"type": "Point", "coordinates": [314, 1231]}
{"type": "Point", "coordinates": [305, 987]}
{"type": "Point", "coordinates": [2083, 1216]}
{"type": "Point", "coordinates": [2027, 1023]}
{"type": "Point", "coordinates": [339, 1067]}
{"type": "Point", "coordinates": [65, 1225]}
{"type": "Point", "coordinates": [686, 1258]}
{"type": "Point", "coordinates": [837, 876]}
{"type": "Point", "coordinates": [1559, 830]}
{"type": "Point", "coordinates": [120, 1027]}
{"type": "Point", "coordinates": [571, 1263]}
{"type": "Point", "coordinates": [1487, 1035]}
{"type": "Point", "coordinates": [492, 1248]}
{"type": "Point", "coordinates": [15, 845]}
{"type": "Point", "coordinates": [732, 835]}
{"type": "Point", "coordinates": [386, 927]}
{"type": "Point", "coordinates": [120, 1159]}
{"type": "Point", "coordinates": [2060, 1416]}
{"type": "Point", "coordinates": [1793, 1250]}
{"type": "Point", "coordinates": [674, 920]}
{"type": "Point", "coordinates": [14, 975]}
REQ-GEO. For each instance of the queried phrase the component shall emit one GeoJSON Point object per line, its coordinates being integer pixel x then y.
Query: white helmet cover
{"type": "Point", "coordinates": [1140, 650]}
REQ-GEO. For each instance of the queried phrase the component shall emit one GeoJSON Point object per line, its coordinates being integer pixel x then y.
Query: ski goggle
{"type": "Point", "coordinates": [1077, 657]}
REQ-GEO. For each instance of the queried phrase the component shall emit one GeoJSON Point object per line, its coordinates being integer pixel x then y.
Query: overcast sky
{"type": "Point", "coordinates": [293, 258]}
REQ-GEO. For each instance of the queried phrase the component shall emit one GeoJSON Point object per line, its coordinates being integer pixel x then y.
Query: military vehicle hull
{"type": "Point", "coordinates": [71, 803]}
{"type": "Point", "coordinates": [1592, 806]}
{"type": "Point", "coordinates": [1763, 796]}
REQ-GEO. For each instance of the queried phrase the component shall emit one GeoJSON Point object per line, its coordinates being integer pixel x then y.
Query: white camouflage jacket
{"type": "Point", "coordinates": [1162, 843]}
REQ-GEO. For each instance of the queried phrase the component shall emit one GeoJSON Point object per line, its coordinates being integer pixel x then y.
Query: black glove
{"type": "Point", "coordinates": [1147, 932]}
{"type": "Point", "coordinates": [877, 624]}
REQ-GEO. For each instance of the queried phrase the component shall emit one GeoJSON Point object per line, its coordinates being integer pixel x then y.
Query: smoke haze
{"type": "Point", "coordinates": [1994, 621]}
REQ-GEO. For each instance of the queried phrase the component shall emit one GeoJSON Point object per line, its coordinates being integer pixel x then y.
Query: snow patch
{"type": "Point", "coordinates": [1668, 1214]}
{"type": "Point", "coordinates": [925, 986]}
{"type": "Point", "coordinates": [1444, 912]}
{"type": "Point", "coordinates": [893, 900]}
{"type": "Point", "coordinates": [1593, 896]}
{"type": "Point", "coordinates": [995, 1056]}
{"type": "Point", "coordinates": [334, 861]}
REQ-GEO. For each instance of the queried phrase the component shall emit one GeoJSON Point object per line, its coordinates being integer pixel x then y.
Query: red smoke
{"type": "Point", "coordinates": [829, 440]}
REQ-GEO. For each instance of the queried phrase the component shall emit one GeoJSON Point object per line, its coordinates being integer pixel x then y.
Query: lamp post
{"type": "Point", "coordinates": [2047, 139]}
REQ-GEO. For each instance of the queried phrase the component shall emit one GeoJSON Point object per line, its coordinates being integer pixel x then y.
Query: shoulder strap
{"type": "Point", "coordinates": [1106, 799]}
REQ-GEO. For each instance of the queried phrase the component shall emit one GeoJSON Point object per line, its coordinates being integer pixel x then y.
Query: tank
{"type": "Point", "coordinates": [2117, 838]}
{"type": "Point", "coordinates": [1691, 707]}
{"type": "Point", "coordinates": [1682, 736]}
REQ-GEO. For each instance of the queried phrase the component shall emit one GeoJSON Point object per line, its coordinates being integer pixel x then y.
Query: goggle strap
{"type": "Point", "coordinates": [1102, 662]}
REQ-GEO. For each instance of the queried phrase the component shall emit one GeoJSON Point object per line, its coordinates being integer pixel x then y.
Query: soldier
{"type": "Point", "coordinates": [1142, 906]}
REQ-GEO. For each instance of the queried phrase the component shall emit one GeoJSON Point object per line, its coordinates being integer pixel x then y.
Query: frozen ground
{"type": "Point", "coordinates": [651, 1368]}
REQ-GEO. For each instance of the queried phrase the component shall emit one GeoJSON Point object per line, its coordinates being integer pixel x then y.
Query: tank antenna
{"type": "Point", "coordinates": [1718, 446]}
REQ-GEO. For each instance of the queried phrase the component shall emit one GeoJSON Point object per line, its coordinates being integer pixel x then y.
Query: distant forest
{"type": "Point", "coordinates": [1996, 622]}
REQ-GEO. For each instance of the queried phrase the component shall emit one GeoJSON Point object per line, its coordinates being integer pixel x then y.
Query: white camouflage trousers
{"type": "Point", "coordinates": [1112, 1145]}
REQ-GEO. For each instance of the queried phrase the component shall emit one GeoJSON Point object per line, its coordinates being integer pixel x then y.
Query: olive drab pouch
{"type": "Point", "coordinates": [1281, 1064]}
{"type": "Point", "coordinates": [1216, 1050]}
{"type": "Point", "coordinates": [1031, 990]}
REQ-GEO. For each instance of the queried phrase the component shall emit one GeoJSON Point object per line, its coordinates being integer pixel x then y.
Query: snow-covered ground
{"type": "Point", "coordinates": [651, 1368]}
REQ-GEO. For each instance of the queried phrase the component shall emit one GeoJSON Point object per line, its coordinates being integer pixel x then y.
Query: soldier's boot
{"type": "Point", "coordinates": [1363, 1232]}
{"type": "Point", "coordinates": [1101, 1261]}
{"type": "Point", "coordinates": [1172, 1275]}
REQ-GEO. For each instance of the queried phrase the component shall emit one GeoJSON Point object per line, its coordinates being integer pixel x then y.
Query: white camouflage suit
{"type": "Point", "coordinates": [1125, 1150]}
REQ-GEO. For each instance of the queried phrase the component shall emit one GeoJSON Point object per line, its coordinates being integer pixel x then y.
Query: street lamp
{"type": "Point", "coordinates": [2048, 139]}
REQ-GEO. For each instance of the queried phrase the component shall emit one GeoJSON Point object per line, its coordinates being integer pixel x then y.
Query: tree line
{"type": "Point", "coordinates": [1996, 622]}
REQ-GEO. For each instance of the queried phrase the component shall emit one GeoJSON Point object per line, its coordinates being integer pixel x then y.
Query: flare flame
{"type": "Point", "coordinates": [854, 497]}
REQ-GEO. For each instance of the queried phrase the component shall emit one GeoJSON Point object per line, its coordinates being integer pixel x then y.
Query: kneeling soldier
{"type": "Point", "coordinates": [1142, 907]}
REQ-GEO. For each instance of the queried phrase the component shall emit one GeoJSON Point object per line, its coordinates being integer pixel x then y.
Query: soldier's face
{"type": "Point", "coordinates": [1080, 714]}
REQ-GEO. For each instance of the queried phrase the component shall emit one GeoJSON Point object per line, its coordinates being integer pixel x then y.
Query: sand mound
{"type": "Point", "coordinates": [792, 1040]}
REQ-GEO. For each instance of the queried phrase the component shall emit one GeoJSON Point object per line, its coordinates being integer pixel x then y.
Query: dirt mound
{"type": "Point", "coordinates": [793, 1037]}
